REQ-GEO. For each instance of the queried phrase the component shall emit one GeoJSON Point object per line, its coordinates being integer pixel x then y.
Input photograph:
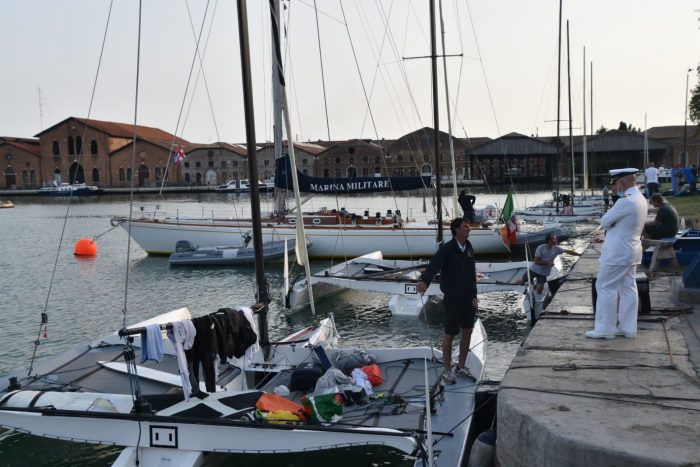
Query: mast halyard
{"type": "Point", "coordinates": [263, 295]}
{"type": "Point", "coordinates": [455, 204]}
{"type": "Point", "coordinates": [436, 122]}
{"type": "Point", "coordinates": [277, 83]}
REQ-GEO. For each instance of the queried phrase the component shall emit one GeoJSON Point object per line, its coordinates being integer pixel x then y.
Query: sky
{"type": "Point", "coordinates": [501, 69]}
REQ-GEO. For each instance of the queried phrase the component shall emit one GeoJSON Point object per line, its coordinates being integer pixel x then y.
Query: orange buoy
{"type": "Point", "coordinates": [85, 247]}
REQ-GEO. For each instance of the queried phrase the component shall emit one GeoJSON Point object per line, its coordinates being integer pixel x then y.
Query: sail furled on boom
{"type": "Point", "coordinates": [354, 185]}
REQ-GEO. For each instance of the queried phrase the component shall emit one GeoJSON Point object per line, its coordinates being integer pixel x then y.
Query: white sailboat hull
{"type": "Point", "coordinates": [413, 240]}
{"type": "Point", "coordinates": [372, 273]}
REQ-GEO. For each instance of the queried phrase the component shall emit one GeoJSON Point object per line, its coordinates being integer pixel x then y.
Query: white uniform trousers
{"type": "Point", "coordinates": [617, 299]}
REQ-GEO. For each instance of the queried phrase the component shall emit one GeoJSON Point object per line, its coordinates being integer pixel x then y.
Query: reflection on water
{"type": "Point", "coordinates": [88, 299]}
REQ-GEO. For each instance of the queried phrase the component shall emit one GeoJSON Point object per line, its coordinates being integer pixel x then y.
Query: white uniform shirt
{"type": "Point", "coordinates": [652, 175]}
{"type": "Point", "coordinates": [623, 224]}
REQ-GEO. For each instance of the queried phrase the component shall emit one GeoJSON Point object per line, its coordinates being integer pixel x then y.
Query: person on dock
{"type": "Point", "coordinates": [651, 177]}
{"type": "Point", "coordinates": [455, 262]}
{"type": "Point", "coordinates": [666, 222]}
{"type": "Point", "coordinates": [616, 306]}
{"type": "Point", "coordinates": [466, 202]}
{"type": "Point", "coordinates": [545, 255]}
{"type": "Point", "coordinates": [606, 197]}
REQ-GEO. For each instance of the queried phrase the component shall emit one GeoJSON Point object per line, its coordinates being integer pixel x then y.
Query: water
{"type": "Point", "coordinates": [88, 297]}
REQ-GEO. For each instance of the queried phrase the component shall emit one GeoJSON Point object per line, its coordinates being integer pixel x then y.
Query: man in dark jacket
{"type": "Point", "coordinates": [455, 263]}
{"type": "Point", "coordinates": [467, 204]}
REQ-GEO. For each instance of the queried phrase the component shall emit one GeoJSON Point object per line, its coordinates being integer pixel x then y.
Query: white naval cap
{"type": "Point", "coordinates": [618, 173]}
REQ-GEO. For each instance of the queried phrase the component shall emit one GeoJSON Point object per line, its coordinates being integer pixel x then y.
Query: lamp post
{"type": "Point", "coordinates": [684, 158]}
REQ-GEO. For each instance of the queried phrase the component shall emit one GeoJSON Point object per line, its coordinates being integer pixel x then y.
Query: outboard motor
{"type": "Point", "coordinates": [378, 218]}
{"type": "Point", "coordinates": [183, 245]}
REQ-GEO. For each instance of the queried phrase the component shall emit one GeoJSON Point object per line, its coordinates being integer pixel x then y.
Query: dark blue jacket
{"type": "Point", "coordinates": [457, 271]}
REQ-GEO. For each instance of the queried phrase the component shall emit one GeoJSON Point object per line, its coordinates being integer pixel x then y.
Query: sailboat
{"type": "Point", "coordinates": [398, 278]}
{"type": "Point", "coordinates": [99, 392]}
{"type": "Point", "coordinates": [333, 233]}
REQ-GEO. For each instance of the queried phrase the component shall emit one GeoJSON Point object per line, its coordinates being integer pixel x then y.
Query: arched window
{"type": "Point", "coordinates": [426, 170]}
{"type": "Point", "coordinates": [93, 147]}
{"type": "Point", "coordinates": [55, 148]}
{"type": "Point", "coordinates": [352, 172]}
{"type": "Point", "coordinates": [32, 177]}
{"type": "Point", "coordinates": [143, 175]}
{"type": "Point", "coordinates": [326, 173]}
{"type": "Point", "coordinates": [365, 172]}
{"type": "Point", "coordinates": [95, 175]}
{"type": "Point", "coordinates": [122, 177]}
{"type": "Point", "coordinates": [78, 145]}
{"type": "Point", "coordinates": [128, 174]}
{"type": "Point", "coordinates": [187, 177]}
{"type": "Point", "coordinates": [76, 173]}
{"type": "Point", "coordinates": [157, 173]}
{"type": "Point", "coordinates": [71, 146]}
{"type": "Point", "coordinates": [10, 178]}
{"type": "Point", "coordinates": [25, 178]}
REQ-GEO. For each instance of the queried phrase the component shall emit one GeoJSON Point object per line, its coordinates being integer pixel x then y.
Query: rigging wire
{"type": "Point", "coordinates": [323, 78]}
{"type": "Point", "coordinates": [44, 313]}
{"type": "Point", "coordinates": [184, 99]}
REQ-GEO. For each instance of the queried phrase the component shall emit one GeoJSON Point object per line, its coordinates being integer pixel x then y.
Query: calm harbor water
{"type": "Point", "coordinates": [88, 296]}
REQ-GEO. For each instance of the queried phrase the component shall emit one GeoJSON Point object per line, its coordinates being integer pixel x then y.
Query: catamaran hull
{"type": "Point", "coordinates": [160, 237]}
{"type": "Point", "coordinates": [193, 435]}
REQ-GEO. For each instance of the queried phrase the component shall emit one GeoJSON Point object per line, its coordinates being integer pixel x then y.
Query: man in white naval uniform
{"type": "Point", "coordinates": [622, 252]}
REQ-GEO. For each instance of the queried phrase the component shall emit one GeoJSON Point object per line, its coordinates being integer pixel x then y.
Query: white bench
{"type": "Point", "coordinates": [663, 249]}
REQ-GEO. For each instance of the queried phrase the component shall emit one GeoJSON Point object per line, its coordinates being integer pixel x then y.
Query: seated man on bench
{"type": "Point", "coordinates": [666, 222]}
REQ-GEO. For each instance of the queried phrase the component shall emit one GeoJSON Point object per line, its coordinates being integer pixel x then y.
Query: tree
{"type": "Point", "coordinates": [694, 104]}
{"type": "Point", "coordinates": [601, 130]}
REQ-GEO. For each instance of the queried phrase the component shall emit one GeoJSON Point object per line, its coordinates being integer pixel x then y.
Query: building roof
{"type": "Point", "coordinates": [29, 145]}
{"type": "Point", "coordinates": [673, 131]}
{"type": "Point", "coordinates": [515, 144]}
{"type": "Point", "coordinates": [422, 140]}
{"type": "Point", "coordinates": [123, 130]}
{"type": "Point", "coordinates": [235, 148]}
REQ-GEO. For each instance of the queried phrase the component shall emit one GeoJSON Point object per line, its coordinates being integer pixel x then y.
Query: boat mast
{"type": "Point", "coordinates": [455, 204]}
{"type": "Point", "coordinates": [571, 129]}
{"type": "Point", "coordinates": [262, 295]}
{"type": "Point", "coordinates": [584, 148]}
{"type": "Point", "coordinates": [277, 79]}
{"type": "Point", "coordinates": [558, 142]}
{"type": "Point", "coordinates": [436, 121]}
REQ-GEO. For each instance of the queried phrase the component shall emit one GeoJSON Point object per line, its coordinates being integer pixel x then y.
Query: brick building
{"type": "Point", "coordinates": [21, 163]}
{"type": "Point", "coordinates": [214, 164]}
{"type": "Point", "coordinates": [100, 153]}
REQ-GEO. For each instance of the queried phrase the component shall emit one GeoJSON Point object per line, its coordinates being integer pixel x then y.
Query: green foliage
{"type": "Point", "coordinates": [694, 104]}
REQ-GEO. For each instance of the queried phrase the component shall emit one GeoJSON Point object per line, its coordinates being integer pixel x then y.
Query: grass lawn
{"type": "Point", "coordinates": [687, 206]}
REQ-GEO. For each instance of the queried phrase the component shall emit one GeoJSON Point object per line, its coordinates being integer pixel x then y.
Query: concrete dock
{"type": "Point", "coordinates": [570, 400]}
